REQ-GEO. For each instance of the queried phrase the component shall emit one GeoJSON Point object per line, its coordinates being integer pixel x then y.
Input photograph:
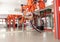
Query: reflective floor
{"type": "Point", "coordinates": [27, 36]}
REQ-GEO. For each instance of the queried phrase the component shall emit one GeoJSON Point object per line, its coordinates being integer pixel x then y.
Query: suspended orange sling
{"type": "Point", "coordinates": [41, 5]}
{"type": "Point", "coordinates": [33, 7]}
{"type": "Point", "coordinates": [30, 2]}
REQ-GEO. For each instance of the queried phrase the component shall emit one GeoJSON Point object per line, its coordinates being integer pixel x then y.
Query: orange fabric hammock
{"type": "Point", "coordinates": [31, 8]}
{"type": "Point", "coordinates": [30, 2]}
{"type": "Point", "coordinates": [41, 5]}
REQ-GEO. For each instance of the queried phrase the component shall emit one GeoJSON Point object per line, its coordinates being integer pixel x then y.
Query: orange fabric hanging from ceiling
{"type": "Point", "coordinates": [41, 5]}
{"type": "Point", "coordinates": [32, 7]}
{"type": "Point", "coordinates": [40, 0]}
{"type": "Point", "coordinates": [30, 2]}
{"type": "Point", "coordinates": [25, 7]}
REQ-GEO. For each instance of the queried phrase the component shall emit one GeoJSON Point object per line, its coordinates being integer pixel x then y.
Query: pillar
{"type": "Point", "coordinates": [57, 18]}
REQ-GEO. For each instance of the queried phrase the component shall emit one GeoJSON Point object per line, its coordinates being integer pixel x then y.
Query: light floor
{"type": "Point", "coordinates": [30, 36]}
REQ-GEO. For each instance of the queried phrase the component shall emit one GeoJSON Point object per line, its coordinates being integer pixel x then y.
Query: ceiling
{"type": "Point", "coordinates": [8, 6]}
{"type": "Point", "coordinates": [13, 1]}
